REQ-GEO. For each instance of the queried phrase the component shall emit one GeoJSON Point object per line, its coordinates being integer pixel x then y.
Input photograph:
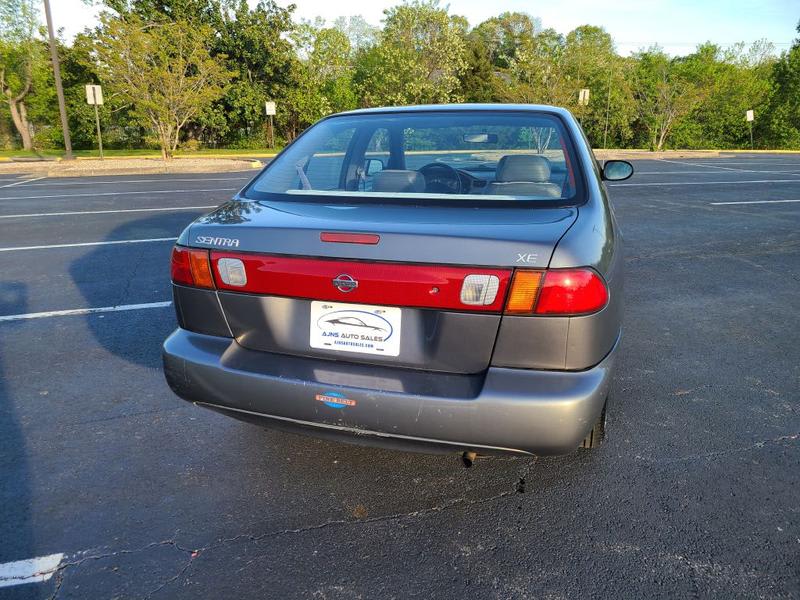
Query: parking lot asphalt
{"type": "Point", "coordinates": [129, 492]}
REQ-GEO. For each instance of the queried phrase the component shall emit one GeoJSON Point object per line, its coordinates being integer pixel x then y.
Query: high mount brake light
{"type": "Point", "coordinates": [349, 238]}
{"type": "Point", "coordinates": [191, 267]}
{"type": "Point", "coordinates": [556, 292]}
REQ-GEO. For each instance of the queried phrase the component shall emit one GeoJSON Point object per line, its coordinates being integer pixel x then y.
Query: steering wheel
{"type": "Point", "coordinates": [441, 178]}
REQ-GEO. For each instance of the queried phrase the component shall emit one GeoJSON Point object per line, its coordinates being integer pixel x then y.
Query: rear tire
{"type": "Point", "coordinates": [595, 437]}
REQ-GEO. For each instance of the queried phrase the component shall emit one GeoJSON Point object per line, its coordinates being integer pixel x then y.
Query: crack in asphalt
{"type": "Point", "coordinates": [60, 572]}
{"type": "Point", "coordinates": [518, 487]}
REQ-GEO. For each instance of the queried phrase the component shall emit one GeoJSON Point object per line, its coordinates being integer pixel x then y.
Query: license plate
{"type": "Point", "coordinates": [355, 328]}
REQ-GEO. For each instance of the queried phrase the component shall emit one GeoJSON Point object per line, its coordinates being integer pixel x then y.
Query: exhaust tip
{"type": "Point", "coordinates": [468, 459]}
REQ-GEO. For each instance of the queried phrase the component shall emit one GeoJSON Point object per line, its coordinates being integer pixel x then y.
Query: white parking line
{"type": "Point", "coordinates": [21, 182]}
{"type": "Point", "coordinates": [727, 161]}
{"type": "Point", "coordinates": [711, 166]}
{"type": "Point", "coordinates": [104, 212]}
{"type": "Point", "coordinates": [671, 173]}
{"type": "Point", "coordinates": [734, 182]}
{"type": "Point", "coordinates": [30, 570]}
{"type": "Point", "coordinates": [752, 202]}
{"type": "Point", "coordinates": [94, 194]}
{"type": "Point", "coordinates": [82, 311]}
{"type": "Point", "coordinates": [83, 244]}
{"type": "Point", "coordinates": [110, 182]}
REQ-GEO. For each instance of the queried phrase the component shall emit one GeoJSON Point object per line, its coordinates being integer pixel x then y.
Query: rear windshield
{"type": "Point", "coordinates": [431, 156]}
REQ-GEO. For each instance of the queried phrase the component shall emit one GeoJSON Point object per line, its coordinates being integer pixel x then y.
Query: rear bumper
{"type": "Point", "coordinates": [514, 410]}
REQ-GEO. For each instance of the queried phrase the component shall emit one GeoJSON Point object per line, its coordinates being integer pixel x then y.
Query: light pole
{"type": "Point", "coordinates": [62, 108]}
{"type": "Point", "coordinates": [608, 106]}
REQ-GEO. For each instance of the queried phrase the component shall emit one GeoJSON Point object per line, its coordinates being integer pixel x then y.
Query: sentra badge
{"type": "Point", "coordinates": [217, 241]}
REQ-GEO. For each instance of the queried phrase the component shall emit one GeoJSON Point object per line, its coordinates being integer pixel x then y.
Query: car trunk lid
{"type": "Point", "coordinates": [413, 257]}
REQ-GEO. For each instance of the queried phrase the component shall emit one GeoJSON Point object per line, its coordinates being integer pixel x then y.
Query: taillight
{"type": "Point", "coordinates": [190, 266]}
{"type": "Point", "coordinates": [556, 292]}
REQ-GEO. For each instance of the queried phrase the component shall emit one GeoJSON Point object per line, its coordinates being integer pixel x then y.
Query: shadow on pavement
{"type": "Point", "coordinates": [16, 520]}
{"type": "Point", "coordinates": [123, 274]}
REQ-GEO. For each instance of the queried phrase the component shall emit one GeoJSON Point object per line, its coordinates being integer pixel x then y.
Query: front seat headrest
{"type": "Point", "coordinates": [523, 167]}
{"type": "Point", "coordinates": [396, 180]}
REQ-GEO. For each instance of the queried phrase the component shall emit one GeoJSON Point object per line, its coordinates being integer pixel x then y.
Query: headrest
{"type": "Point", "coordinates": [396, 180]}
{"type": "Point", "coordinates": [523, 167]}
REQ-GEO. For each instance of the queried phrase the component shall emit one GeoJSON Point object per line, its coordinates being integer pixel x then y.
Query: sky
{"type": "Point", "coordinates": [676, 25]}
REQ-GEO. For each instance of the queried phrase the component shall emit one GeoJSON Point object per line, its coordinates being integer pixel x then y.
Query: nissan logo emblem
{"type": "Point", "coordinates": [345, 283]}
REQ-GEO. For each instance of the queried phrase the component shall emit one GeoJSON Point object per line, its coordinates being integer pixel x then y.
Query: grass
{"type": "Point", "coordinates": [140, 153]}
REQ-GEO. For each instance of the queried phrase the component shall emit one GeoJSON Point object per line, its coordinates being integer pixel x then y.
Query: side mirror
{"type": "Point", "coordinates": [617, 170]}
{"type": "Point", "coordinates": [374, 165]}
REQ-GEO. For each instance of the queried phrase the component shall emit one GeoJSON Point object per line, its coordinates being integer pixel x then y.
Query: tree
{"type": "Point", "coordinates": [418, 59]}
{"type": "Point", "coordinates": [163, 70]}
{"type": "Point", "coordinates": [255, 44]}
{"type": "Point", "coordinates": [735, 80]}
{"type": "Point", "coordinates": [478, 79]}
{"type": "Point", "coordinates": [324, 77]}
{"type": "Point", "coordinates": [591, 62]}
{"type": "Point", "coordinates": [505, 35]}
{"type": "Point", "coordinates": [666, 91]}
{"type": "Point", "coordinates": [21, 59]}
{"type": "Point", "coordinates": [359, 33]}
{"type": "Point", "coordinates": [782, 127]}
{"type": "Point", "coordinates": [539, 71]}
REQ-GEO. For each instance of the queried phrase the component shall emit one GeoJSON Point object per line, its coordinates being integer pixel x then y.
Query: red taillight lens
{"type": "Point", "coordinates": [191, 267]}
{"type": "Point", "coordinates": [180, 269]}
{"type": "Point", "coordinates": [571, 292]}
{"type": "Point", "coordinates": [556, 292]}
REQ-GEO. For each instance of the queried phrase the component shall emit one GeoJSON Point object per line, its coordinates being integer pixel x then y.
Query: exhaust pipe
{"type": "Point", "coordinates": [468, 459]}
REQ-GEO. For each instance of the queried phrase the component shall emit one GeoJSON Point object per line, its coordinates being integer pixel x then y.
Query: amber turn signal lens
{"type": "Point", "coordinates": [201, 270]}
{"type": "Point", "coordinates": [524, 291]}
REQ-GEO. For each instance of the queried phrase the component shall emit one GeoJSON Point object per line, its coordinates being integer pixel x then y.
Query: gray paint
{"type": "Point", "coordinates": [199, 310]}
{"type": "Point", "coordinates": [532, 343]}
{"type": "Point", "coordinates": [429, 339]}
{"type": "Point", "coordinates": [537, 412]}
{"type": "Point", "coordinates": [432, 234]}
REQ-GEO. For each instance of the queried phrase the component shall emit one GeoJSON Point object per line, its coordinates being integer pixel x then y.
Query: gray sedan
{"type": "Point", "coordinates": [430, 277]}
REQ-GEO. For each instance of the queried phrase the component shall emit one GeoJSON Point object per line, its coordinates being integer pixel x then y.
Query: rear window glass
{"type": "Point", "coordinates": [448, 156]}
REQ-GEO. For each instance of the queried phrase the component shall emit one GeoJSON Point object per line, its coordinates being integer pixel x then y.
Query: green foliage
{"type": "Point", "coordinates": [417, 60]}
{"type": "Point", "coordinates": [255, 47]}
{"type": "Point", "coordinates": [781, 125]}
{"type": "Point", "coordinates": [23, 63]}
{"type": "Point", "coordinates": [196, 73]}
{"type": "Point", "coordinates": [164, 71]}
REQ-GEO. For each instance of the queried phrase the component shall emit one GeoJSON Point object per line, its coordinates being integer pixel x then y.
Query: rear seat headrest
{"type": "Point", "coordinates": [396, 180]}
{"type": "Point", "coordinates": [523, 167]}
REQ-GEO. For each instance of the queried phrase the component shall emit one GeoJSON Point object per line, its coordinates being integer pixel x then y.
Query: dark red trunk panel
{"type": "Point", "coordinates": [392, 284]}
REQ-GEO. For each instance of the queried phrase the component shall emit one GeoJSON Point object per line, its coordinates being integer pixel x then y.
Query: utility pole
{"type": "Point", "coordinates": [608, 105]}
{"type": "Point", "coordinates": [62, 108]}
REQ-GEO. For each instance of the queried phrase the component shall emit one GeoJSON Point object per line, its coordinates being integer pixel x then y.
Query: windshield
{"type": "Point", "coordinates": [450, 156]}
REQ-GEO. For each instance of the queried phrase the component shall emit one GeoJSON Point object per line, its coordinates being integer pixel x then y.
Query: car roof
{"type": "Point", "coordinates": [457, 108]}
